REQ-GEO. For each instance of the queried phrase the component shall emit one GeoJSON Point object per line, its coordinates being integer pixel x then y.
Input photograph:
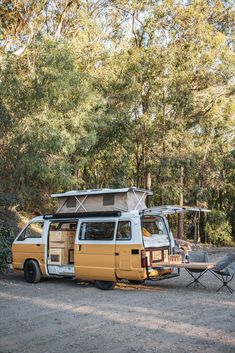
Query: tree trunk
{"type": "Point", "coordinates": [180, 234]}
{"type": "Point", "coordinates": [195, 227]}
{"type": "Point", "coordinates": [148, 184]}
{"type": "Point", "coordinates": [202, 224]}
{"type": "Point", "coordinates": [197, 235]}
{"type": "Point", "coordinates": [148, 181]}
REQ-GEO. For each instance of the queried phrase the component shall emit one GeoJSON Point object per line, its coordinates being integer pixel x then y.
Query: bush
{"type": "Point", "coordinates": [7, 200]}
{"type": "Point", "coordinates": [6, 239]}
{"type": "Point", "coordinates": [218, 229]}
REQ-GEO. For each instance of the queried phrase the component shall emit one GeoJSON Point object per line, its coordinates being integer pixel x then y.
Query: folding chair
{"type": "Point", "coordinates": [196, 274]}
{"type": "Point", "coordinates": [224, 270]}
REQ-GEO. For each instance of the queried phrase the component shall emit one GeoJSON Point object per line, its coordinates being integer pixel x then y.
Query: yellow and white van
{"type": "Point", "coordinates": [96, 235]}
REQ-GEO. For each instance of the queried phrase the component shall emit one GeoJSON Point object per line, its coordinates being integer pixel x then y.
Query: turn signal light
{"type": "Point", "coordinates": [144, 262]}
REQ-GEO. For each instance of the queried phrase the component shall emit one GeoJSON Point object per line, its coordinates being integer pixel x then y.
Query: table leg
{"type": "Point", "coordinates": [196, 281]}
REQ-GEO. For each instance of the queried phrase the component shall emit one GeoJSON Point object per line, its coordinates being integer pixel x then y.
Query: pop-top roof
{"type": "Point", "coordinates": [102, 200]}
{"type": "Point", "coordinates": [100, 192]}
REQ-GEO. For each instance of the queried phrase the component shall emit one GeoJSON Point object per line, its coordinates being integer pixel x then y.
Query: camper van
{"type": "Point", "coordinates": [103, 236]}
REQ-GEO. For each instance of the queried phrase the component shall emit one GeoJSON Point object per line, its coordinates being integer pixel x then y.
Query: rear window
{"type": "Point", "coordinates": [97, 231]}
{"type": "Point", "coordinates": [154, 232]}
{"type": "Point", "coordinates": [153, 226]}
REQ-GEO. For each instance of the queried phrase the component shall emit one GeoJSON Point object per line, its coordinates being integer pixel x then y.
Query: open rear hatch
{"type": "Point", "coordinates": [157, 237]}
{"type": "Point", "coordinates": [158, 243]}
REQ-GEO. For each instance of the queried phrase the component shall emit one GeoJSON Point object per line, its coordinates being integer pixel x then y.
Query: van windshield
{"type": "Point", "coordinates": [154, 232]}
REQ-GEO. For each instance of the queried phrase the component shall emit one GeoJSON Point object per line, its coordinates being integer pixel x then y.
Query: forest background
{"type": "Point", "coordinates": [101, 93]}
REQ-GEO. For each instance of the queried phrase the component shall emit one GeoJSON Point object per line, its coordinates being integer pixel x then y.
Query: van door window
{"type": "Point", "coordinates": [63, 226]}
{"type": "Point", "coordinates": [97, 231]}
{"type": "Point", "coordinates": [124, 230]}
{"type": "Point", "coordinates": [34, 230]}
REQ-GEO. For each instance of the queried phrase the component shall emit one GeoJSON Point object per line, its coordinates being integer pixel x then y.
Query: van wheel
{"type": "Point", "coordinates": [32, 273]}
{"type": "Point", "coordinates": [105, 285]}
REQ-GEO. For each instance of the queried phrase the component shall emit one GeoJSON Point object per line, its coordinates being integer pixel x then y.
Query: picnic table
{"type": "Point", "coordinates": [186, 265]}
{"type": "Point", "coordinates": [199, 268]}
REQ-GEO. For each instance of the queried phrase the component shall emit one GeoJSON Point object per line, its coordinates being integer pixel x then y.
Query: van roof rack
{"type": "Point", "coordinates": [82, 215]}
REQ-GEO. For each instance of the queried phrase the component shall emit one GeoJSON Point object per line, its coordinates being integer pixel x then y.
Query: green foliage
{"type": "Point", "coordinates": [218, 229]}
{"type": "Point", "coordinates": [37, 156]}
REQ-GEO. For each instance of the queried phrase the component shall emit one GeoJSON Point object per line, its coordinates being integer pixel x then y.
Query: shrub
{"type": "Point", "coordinates": [218, 229]}
{"type": "Point", "coordinates": [6, 239]}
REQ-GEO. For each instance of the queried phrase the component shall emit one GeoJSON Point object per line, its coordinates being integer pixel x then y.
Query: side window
{"type": "Point", "coordinates": [124, 230]}
{"type": "Point", "coordinates": [97, 231]}
{"type": "Point", "coordinates": [71, 202]}
{"type": "Point", "coordinates": [34, 230]}
{"type": "Point", "coordinates": [108, 199]}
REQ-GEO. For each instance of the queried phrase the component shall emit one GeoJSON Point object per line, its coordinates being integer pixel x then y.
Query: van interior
{"type": "Point", "coordinates": [61, 239]}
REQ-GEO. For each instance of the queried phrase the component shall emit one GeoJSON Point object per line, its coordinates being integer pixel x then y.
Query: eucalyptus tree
{"type": "Point", "coordinates": [101, 93]}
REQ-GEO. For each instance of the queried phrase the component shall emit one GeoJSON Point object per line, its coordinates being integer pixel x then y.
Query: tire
{"type": "Point", "coordinates": [105, 285]}
{"type": "Point", "coordinates": [32, 273]}
{"type": "Point", "coordinates": [135, 282]}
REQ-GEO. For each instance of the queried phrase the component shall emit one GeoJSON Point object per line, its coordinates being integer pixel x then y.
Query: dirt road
{"type": "Point", "coordinates": [60, 316]}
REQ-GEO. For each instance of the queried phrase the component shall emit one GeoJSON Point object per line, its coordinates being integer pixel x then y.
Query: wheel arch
{"type": "Point", "coordinates": [33, 259]}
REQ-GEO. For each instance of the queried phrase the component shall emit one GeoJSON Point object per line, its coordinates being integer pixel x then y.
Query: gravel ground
{"type": "Point", "coordinates": [60, 316]}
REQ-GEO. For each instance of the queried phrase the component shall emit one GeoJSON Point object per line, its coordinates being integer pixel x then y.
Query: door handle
{"type": "Point", "coordinates": [38, 244]}
{"type": "Point", "coordinates": [116, 253]}
{"type": "Point", "coordinates": [79, 247]}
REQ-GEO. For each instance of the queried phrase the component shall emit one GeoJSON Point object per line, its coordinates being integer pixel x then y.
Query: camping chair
{"type": "Point", "coordinates": [196, 274]}
{"type": "Point", "coordinates": [224, 270]}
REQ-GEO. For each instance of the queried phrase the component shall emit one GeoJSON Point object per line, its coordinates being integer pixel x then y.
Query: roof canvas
{"type": "Point", "coordinates": [101, 200]}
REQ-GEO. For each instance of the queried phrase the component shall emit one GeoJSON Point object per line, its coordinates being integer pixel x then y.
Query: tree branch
{"type": "Point", "coordinates": [61, 19]}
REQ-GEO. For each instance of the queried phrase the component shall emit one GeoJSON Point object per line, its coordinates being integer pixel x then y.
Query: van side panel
{"type": "Point", "coordinates": [128, 261]}
{"type": "Point", "coordinates": [23, 251]}
{"type": "Point", "coordinates": [95, 261]}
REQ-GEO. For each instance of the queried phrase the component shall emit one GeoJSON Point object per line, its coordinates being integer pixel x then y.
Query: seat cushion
{"type": "Point", "coordinates": [225, 261]}
{"type": "Point", "coordinates": [198, 256]}
{"type": "Point", "coordinates": [231, 268]}
{"type": "Point", "coordinates": [224, 272]}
